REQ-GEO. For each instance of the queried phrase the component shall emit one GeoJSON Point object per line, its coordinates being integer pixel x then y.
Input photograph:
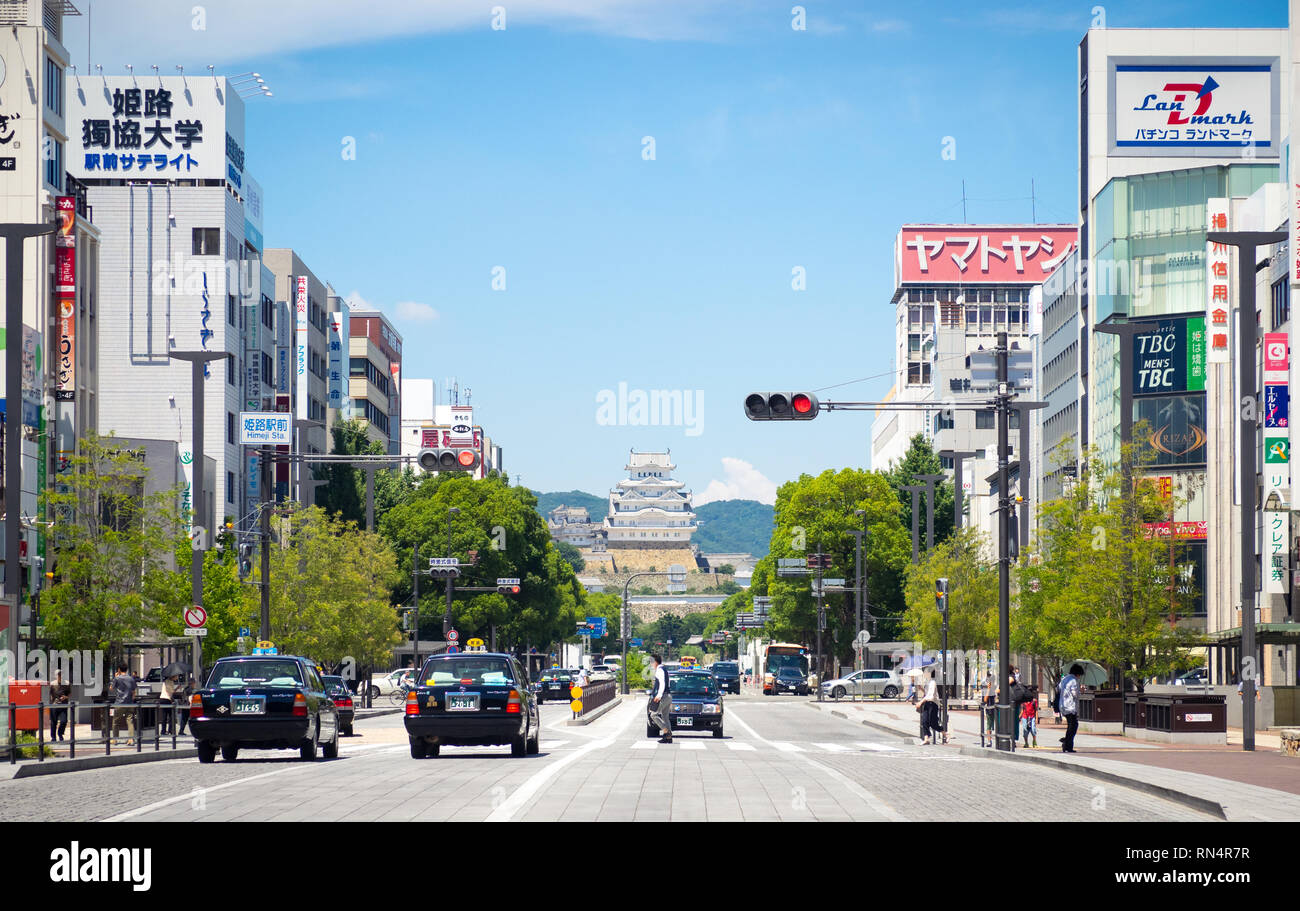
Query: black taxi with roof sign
{"type": "Point", "coordinates": [472, 699]}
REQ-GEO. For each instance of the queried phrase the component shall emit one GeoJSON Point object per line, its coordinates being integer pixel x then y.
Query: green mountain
{"type": "Point", "coordinates": [727, 526]}
{"type": "Point", "coordinates": [734, 526]}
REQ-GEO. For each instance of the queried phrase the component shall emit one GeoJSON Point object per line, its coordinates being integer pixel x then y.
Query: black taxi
{"type": "Point", "coordinates": [696, 703]}
{"type": "Point", "coordinates": [472, 699]}
{"type": "Point", "coordinates": [264, 702]}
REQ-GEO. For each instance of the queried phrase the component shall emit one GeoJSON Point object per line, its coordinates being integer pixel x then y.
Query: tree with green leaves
{"type": "Point", "coordinates": [331, 590]}
{"type": "Point", "coordinates": [972, 577]}
{"type": "Point", "coordinates": [1096, 583]}
{"type": "Point", "coordinates": [571, 555]}
{"type": "Point", "coordinates": [819, 512]}
{"type": "Point", "coordinates": [109, 549]}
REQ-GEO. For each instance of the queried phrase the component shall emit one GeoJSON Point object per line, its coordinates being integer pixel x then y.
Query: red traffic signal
{"type": "Point", "coordinates": [433, 460]}
{"type": "Point", "coordinates": [507, 589]}
{"type": "Point", "coordinates": [781, 406]}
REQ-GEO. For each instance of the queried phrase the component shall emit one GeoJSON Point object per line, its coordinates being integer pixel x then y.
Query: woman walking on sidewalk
{"type": "Point", "coordinates": [930, 712]}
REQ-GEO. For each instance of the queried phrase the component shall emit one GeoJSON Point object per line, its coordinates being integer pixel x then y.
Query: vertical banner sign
{"type": "Point", "coordinates": [462, 426]}
{"type": "Point", "coordinates": [65, 287]}
{"type": "Point", "coordinates": [300, 340]}
{"type": "Point", "coordinates": [1277, 461]}
{"type": "Point", "coordinates": [1218, 285]}
{"type": "Point", "coordinates": [339, 363]}
{"type": "Point", "coordinates": [1196, 354]}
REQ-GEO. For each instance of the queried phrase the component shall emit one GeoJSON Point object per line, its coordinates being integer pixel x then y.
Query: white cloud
{"type": "Point", "coordinates": [415, 311]}
{"type": "Point", "coordinates": [890, 25]}
{"type": "Point", "coordinates": [741, 481]}
{"type": "Point", "coordinates": [356, 302]}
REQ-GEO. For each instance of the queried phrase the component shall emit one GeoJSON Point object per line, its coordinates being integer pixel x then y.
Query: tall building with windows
{"type": "Point", "coordinates": [649, 509]}
{"type": "Point", "coordinates": [956, 288]}
{"type": "Point", "coordinates": [374, 372]}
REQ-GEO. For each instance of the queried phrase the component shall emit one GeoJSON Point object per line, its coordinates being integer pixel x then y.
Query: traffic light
{"type": "Point", "coordinates": [507, 589]}
{"type": "Point", "coordinates": [941, 595]}
{"type": "Point", "coordinates": [433, 460]}
{"type": "Point", "coordinates": [443, 571]}
{"type": "Point", "coordinates": [245, 560]}
{"type": "Point", "coordinates": [781, 406]}
{"type": "Point", "coordinates": [1013, 535]}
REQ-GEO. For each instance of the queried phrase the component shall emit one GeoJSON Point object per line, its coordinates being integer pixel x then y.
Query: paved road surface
{"type": "Point", "coordinates": [779, 760]}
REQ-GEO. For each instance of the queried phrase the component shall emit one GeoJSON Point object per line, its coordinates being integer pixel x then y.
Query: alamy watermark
{"type": "Point", "coordinates": [79, 668]}
{"type": "Point", "coordinates": [651, 408]}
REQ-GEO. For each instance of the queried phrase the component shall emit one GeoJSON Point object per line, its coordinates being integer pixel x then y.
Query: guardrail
{"type": "Point", "coordinates": [594, 695]}
{"type": "Point", "coordinates": [109, 717]}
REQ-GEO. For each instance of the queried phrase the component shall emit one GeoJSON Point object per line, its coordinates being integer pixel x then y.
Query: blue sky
{"type": "Point", "coordinates": [522, 148]}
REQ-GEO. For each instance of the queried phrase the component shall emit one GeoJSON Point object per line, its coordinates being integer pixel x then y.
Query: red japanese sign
{"type": "Point", "coordinates": [1182, 530]}
{"type": "Point", "coordinates": [981, 253]}
{"type": "Point", "coordinates": [65, 282]}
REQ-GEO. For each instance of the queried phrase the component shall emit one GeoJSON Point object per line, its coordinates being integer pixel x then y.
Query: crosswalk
{"type": "Point", "coordinates": [780, 746]}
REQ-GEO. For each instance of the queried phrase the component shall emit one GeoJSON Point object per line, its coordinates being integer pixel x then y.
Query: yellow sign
{"type": "Point", "coordinates": [576, 705]}
{"type": "Point", "coordinates": [575, 692]}
{"type": "Point", "coordinates": [264, 644]}
{"type": "Point", "coordinates": [474, 643]}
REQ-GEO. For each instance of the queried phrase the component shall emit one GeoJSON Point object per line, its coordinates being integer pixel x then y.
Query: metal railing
{"type": "Point", "coordinates": [114, 717]}
{"type": "Point", "coordinates": [594, 695]}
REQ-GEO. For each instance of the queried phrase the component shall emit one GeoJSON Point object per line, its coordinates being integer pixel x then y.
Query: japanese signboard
{"type": "Point", "coordinates": [1218, 284]}
{"type": "Point", "coordinates": [65, 286]}
{"type": "Point", "coordinates": [462, 425]}
{"type": "Point", "coordinates": [300, 305]}
{"type": "Point", "coordinates": [979, 253]}
{"type": "Point", "coordinates": [1276, 351]}
{"type": "Point", "coordinates": [1191, 108]}
{"type": "Point", "coordinates": [155, 128]}
{"type": "Point", "coordinates": [1170, 357]}
{"type": "Point", "coordinates": [253, 212]}
{"type": "Point", "coordinates": [265, 428]}
{"type": "Point", "coordinates": [1175, 428]}
{"type": "Point", "coordinates": [1277, 404]}
{"type": "Point", "coordinates": [339, 364]}
{"type": "Point", "coordinates": [1277, 561]}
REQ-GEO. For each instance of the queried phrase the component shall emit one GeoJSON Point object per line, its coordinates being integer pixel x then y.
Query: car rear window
{"type": "Point", "coordinates": [726, 667]}
{"type": "Point", "coordinates": [466, 671]}
{"type": "Point", "coordinates": [691, 685]}
{"type": "Point", "coordinates": [255, 671]}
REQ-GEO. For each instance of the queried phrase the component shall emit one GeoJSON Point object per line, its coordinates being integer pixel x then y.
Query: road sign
{"type": "Point", "coordinates": [597, 625]}
{"type": "Point", "coordinates": [677, 573]}
{"type": "Point", "coordinates": [443, 561]}
{"type": "Point", "coordinates": [575, 692]}
{"type": "Point", "coordinates": [452, 650]}
{"type": "Point", "coordinates": [576, 706]}
{"type": "Point", "coordinates": [862, 639]}
{"type": "Point", "coordinates": [676, 588]}
{"type": "Point", "coordinates": [452, 635]}
{"type": "Point", "coordinates": [832, 581]}
{"type": "Point", "coordinates": [196, 631]}
{"type": "Point", "coordinates": [790, 561]}
{"type": "Point", "coordinates": [636, 643]}
{"type": "Point", "coordinates": [195, 616]}
{"type": "Point", "coordinates": [265, 428]}
{"type": "Point", "coordinates": [508, 581]}
{"type": "Point", "coordinates": [244, 632]}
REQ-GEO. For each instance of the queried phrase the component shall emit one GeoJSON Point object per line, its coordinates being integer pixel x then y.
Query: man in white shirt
{"type": "Point", "coordinates": [660, 702]}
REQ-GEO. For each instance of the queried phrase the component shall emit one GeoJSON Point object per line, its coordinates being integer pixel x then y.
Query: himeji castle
{"type": "Point", "coordinates": [649, 508]}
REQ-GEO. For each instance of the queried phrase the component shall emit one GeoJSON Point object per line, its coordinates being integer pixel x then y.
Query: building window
{"type": "Point", "coordinates": [268, 369]}
{"type": "Point", "coordinates": [1281, 303]}
{"type": "Point", "coordinates": [268, 312]}
{"type": "Point", "coordinates": [230, 487]}
{"type": "Point", "coordinates": [231, 370]}
{"type": "Point", "coordinates": [230, 309]}
{"type": "Point", "coordinates": [943, 420]}
{"type": "Point", "coordinates": [984, 419]}
{"type": "Point", "coordinates": [54, 163]}
{"type": "Point", "coordinates": [53, 86]}
{"type": "Point", "coordinates": [230, 428]}
{"type": "Point", "coordinates": [205, 241]}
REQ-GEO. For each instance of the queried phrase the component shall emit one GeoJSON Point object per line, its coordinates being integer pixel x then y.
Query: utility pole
{"type": "Point", "coordinates": [1004, 558]}
{"type": "Point", "coordinates": [916, 520]}
{"type": "Point", "coordinates": [821, 619]}
{"type": "Point", "coordinates": [958, 457]}
{"type": "Point", "coordinates": [268, 500]}
{"type": "Point", "coordinates": [1246, 243]}
{"type": "Point", "coordinates": [415, 585]}
{"type": "Point", "coordinates": [941, 601]}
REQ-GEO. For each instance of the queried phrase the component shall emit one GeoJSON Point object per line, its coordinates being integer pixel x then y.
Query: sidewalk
{"type": "Point", "coordinates": [1263, 785]}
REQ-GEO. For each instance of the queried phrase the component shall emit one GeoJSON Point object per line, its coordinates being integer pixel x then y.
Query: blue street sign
{"type": "Point", "coordinates": [243, 631]}
{"type": "Point", "coordinates": [451, 650]}
{"type": "Point", "coordinates": [635, 643]}
{"type": "Point", "coordinates": [598, 624]}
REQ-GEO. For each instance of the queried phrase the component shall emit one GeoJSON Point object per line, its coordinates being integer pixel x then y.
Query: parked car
{"type": "Point", "coordinates": [696, 703]}
{"type": "Point", "coordinates": [601, 672]}
{"type": "Point", "coordinates": [1195, 677]}
{"type": "Point", "coordinates": [790, 679]}
{"type": "Point", "coordinates": [387, 684]}
{"type": "Point", "coordinates": [728, 675]}
{"type": "Point", "coordinates": [264, 702]}
{"type": "Point", "coordinates": [472, 699]}
{"type": "Point", "coordinates": [337, 687]}
{"type": "Point", "coordinates": [864, 683]}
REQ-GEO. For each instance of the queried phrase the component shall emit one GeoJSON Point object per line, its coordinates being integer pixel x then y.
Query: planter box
{"type": "Point", "coordinates": [1101, 712]}
{"type": "Point", "coordinates": [1200, 719]}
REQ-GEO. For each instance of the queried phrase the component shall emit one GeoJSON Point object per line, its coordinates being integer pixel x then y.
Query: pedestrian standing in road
{"type": "Point", "coordinates": [1029, 720]}
{"type": "Point", "coordinates": [60, 693]}
{"type": "Point", "coordinates": [989, 697]}
{"type": "Point", "coordinates": [930, 711]}
{"type": "Point", "coordinates": [660, 702]}
{"type": "Point", "coordinates": [123, 697]}
{"type": "Point", "coordinates": [1070, 706]}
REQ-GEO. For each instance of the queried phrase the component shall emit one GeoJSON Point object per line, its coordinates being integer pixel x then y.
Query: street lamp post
{"type": "Point", "coordinates": [299, 425]}
{"type": "Point", "coordinates": [674, 577]}
{"type": "Point", "coordinates": [859, 588]}
{"type": "Point", "coordinates": [915, 490]}
{"type": "Point", "coordinates": [198, 361]}
{"type": "Point", "coordinates": [958, 457]}
{"type": "Point", "coordinates": [929, 480]}
{"type": "Point", "coordinates": [1246, 243]}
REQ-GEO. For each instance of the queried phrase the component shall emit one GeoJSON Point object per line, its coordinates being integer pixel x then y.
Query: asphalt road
{"type": "Point", "coordinates": [780, 760]}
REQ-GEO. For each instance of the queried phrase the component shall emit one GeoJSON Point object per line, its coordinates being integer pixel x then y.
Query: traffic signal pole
{"type": "Point", "coordinates": [415, 584]}
{"type": "Point", "coordinates": [1003, 735]}
{"type": "Point", "coordinates": [268, 497]}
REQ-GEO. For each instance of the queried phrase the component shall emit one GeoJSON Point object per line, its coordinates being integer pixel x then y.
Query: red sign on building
{"type": "Point", "coordinates": [981, 253]}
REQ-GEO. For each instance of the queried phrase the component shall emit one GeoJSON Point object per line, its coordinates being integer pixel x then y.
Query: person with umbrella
{"type": "Point", "coordinates": [172, 692]}
{"type": "Point", "coordinates": [1070, 706]}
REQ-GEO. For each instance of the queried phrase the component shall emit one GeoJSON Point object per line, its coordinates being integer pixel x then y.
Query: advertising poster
{"type": "Point", "coordinates": [1175, 428]}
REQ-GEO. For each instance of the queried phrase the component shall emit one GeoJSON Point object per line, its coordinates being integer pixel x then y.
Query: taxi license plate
{"type": "Point", "coordinates": [248, 705]}
{"type": "Point", "coordinates": [686, 722]}
{"type": "Point", "coordinates": [462, 702]}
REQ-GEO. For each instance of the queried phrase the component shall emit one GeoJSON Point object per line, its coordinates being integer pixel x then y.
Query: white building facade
{"type": "Point", "coordinates": [649, 508]}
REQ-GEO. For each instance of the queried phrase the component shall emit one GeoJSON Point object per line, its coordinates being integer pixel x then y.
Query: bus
{"type": "Point", "coordinates": [777, 655]}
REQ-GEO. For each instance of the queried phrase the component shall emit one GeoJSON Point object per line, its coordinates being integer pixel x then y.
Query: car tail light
{"type": "Point", "coordinates": [196, 706]}
{"type": "Point", "coordinates": [299, 705]}
{"type": "Point", "coordinates": [514, 703]}
{"type": "Point", "coordinates": [344, 702]}
{"type": "Point", "coordinates": [412, 703]}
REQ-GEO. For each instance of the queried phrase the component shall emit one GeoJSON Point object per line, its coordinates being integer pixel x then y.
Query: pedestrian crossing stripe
{"type": "Point", "coordinates": [877, 747]}
{"type": "Point", "coordinates": [834, 747]}
{"type": "Point", "coordinates": [787, 747]}
{"type": "Point", "coordinates": [645, 744]}
{"type": "Point", "coordinates": [744, 747]}
{"type": "Point", "coordinates": [691, 745]}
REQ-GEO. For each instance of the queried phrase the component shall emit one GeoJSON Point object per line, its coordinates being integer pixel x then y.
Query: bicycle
{"type": "Point", "coordinates": [398, 696]}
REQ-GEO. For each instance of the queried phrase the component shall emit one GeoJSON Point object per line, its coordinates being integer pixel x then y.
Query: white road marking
{"type": "Point", "coordinates": [856, 789]}
{"type": "Point", "coordinates": [516, 801]}
{"type": "Point", "coordinates": [140, 811]}
{"type": "Point", "coordinates": [691, 744]}
{"type": "Point", "coordinates": [833, 747]}
{"type": "Point", "coordinates": [780, 745]}
{"type": "Point", "coordinates": [876, 747]}
{"type": "Point", "coordinates": [744, 747]}
{"type": "Point", "coordinates": [645, 744]}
